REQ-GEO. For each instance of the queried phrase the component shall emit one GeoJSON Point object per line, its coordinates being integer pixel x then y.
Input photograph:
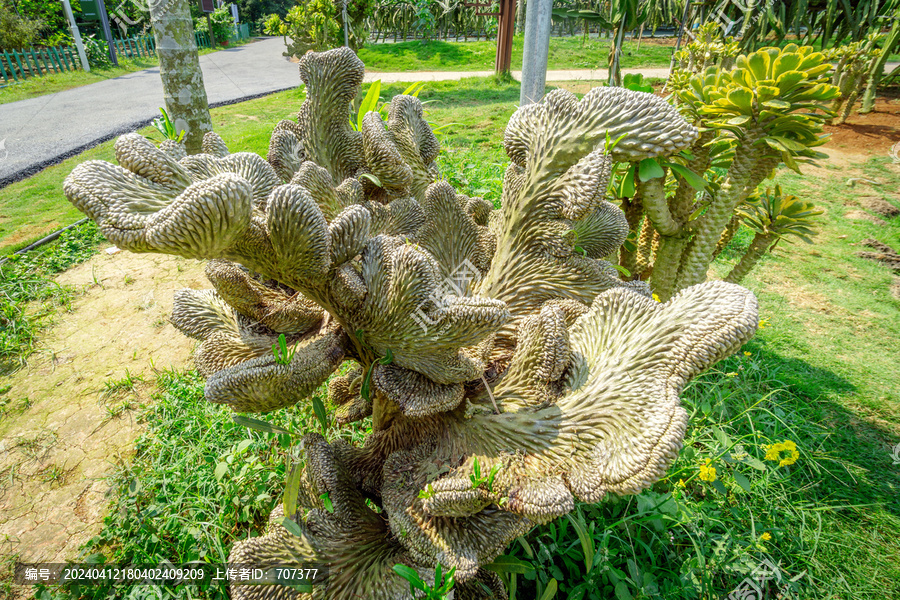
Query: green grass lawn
{"type": "Point", "coordinates": [36, 206]}
{"type": "Point", "coordinates": [59, 82]}
{"type": "Point", "coordinates": [565, 53]}
{"type": "Point", "coordinates": [821, 374]}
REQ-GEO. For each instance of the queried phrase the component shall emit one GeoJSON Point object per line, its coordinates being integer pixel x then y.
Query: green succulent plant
{"type": "Point", "coordinates": [770, 98]}
{"type": "Point", "coordinates": [852, 72]}
{"type": "Point", "coordinates": [772, 105]}
{"type": "Point", "coordinates": [773, 216]}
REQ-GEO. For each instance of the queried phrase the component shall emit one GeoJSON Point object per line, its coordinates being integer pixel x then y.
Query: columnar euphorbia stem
{"type": "Point", "coordinates": [747, 171]}
{"type": "Point", "coordinates": [758, 247]}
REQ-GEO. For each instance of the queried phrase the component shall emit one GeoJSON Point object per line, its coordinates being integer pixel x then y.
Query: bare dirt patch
{"type": "Point", "coordinates": [861, 215]}
{"type": "Point", "coordinates": [870, 134]}
{"type": "Point", "coordinates": [884, 254]}
{"type": "Point", "coordinates": [60, 435]}
{"type": "Point", "coordinates": [878, 206]}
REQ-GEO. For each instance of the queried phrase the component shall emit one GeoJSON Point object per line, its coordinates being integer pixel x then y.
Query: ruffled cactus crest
{"type": "Point", "coordinates": [481, 341]}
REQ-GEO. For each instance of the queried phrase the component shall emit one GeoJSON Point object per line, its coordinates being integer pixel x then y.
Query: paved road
{"type": "Point", "coordinates": [43, 131]}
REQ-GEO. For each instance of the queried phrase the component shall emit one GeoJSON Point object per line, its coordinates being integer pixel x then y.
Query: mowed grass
{"type": "Point", "coordinates": [830, 313]}
{"type": "Point", "coordinates": [59, 82]}
{"type": "Point", "coordinates": [565, 53]}
{"type": "Point", "coordinates": [36, 206]}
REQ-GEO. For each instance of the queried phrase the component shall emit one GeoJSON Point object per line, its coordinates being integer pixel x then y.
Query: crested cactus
{"type": "Point", "coordinates": [483, 341]}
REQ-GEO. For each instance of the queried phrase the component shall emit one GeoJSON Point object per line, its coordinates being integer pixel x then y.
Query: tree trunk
{"type": "Point", "coordinates": [758, 247]}
{"type": "Point", "coordinates": [179, 68]}
{"type": "Point", "coordinates": [670, 248]}
{"type": "Point", "coordinates": [520, 17]}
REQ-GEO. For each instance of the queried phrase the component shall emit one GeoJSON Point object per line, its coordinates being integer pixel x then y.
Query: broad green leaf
{"type": "Point", "coordinates": [742, 99]}
{"type": "Point", "coordinates": [775, 144]}
{"type": "Point", "coordinates": [694, 180]}
{"type": "Point", "coordinates": [437, 130]}
{"type": "Point", "coordinates": [622, 592]}
{"type": "Point", "coordinates": [777, 104]}
{"type": "Point", "coordinates": [292, 527]}
{"type": "Point", "coordinates": [258, 425]}
{"type": "Point", "coordinates": [650, 169]}
{"type": "Point", "coordinates": [787, 61]}
{"type": "Point", "coordinates": [388, 357]}
{"type": "Point", "coordinates": [758, 63]}
{"type": "Point", "coordinates": [627, 189]}
{"type": "Point", "coordinates": [371, 178]}
{"type": "Point", "coordinates": [410, 575]}
{"type": "Point", "coordinates": [788, 80]}
{"type": "Point", "coordinates": [292, 490]}
{"type": "Point", "coordinates": [622, 270]}
{"type": "Point", "coordinates": [326, 500]}
{"type": "Point", "coordinates": [369, 103]}
{"type": "Point", "coordinates": [414, 89]}
{"type": "Point", "coordinates": [221, 468]}
{"type": "Point", "coordinates": [720, 436]}
{"type": "Point", "coordinates": [525, 546]}
{"type": "Point", "coordinates": [508, 564]}
{"type": "Point", "coordinates": [587, 542]}
{"type": "Point", "coordinates": [742, 481]}
{"type": "Point", "coordinates": [789, 143]}
{"type": "Point", "coordinates": [321, 413]}
{"type": "Point", "coordinates": [550, 590]}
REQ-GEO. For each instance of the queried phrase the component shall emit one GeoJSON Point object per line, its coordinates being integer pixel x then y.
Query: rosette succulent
{"type": "Point", "coordinates": [506, 373]}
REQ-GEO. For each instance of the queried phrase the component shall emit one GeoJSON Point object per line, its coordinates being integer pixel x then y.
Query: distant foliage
{"type": "Point", "coordinates": [16, 31]}
{"type": "Point", "coordinates": [317, 25]}
{"type": "Point", "coordinates": [222, 23]}
{"type": "Point", "coordinates": [97, 52]}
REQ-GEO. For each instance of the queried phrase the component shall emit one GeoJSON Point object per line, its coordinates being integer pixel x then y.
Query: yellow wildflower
{"type": "Point", "coordinates": [732, 374]}
{"type": "Point", "coordinates": [655, 297]}
{"type": "Point", "coordinates": [747, 354]}
{"type": "Point", "coordinates": [707, 473]}
{"type": "Point", "coordinates": [763, 323]}
{"type": "Point", "coordinates": [774, 453]}
{"type": "Point", "coordinates": [766, 537]}
{"type": "Point", "coordinates": [681, 483]}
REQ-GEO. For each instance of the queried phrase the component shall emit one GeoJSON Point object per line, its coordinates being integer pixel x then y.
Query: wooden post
{"type": "Point", "coordinates": [506, 29]}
